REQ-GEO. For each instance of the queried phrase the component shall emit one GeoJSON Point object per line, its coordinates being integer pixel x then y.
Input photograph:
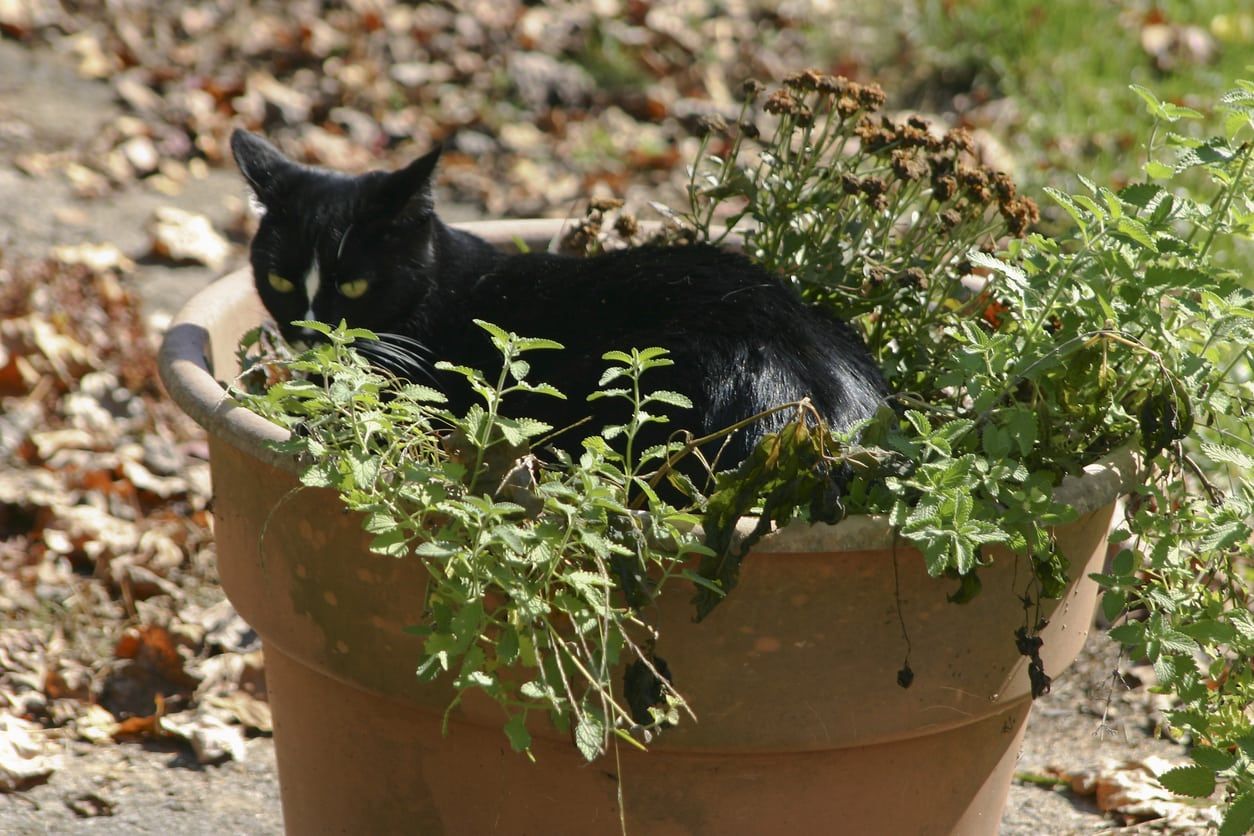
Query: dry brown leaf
{"type": "Point", "coordinates": [147, 726]}
{"type": "Point", "coordinates": [67, 679]}
{"type": "Point", "coordinates": [211, 738]}
{"type": "Point", "coordinates": [95, 725]}
{"type": "Point", "coordinates": [1130, 789]}
{"type": "Point", "coordinates": [243, 708]}
{"type": "Point", "coordinates": [23, 757]}
{"type": "Point", "coordinates": [103, 256]}
{"type": "Point", "coordinates": [181, 236]}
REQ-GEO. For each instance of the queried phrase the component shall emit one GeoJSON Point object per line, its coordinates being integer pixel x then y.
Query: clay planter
{"type": "Point", "coordinates": [803, 727]}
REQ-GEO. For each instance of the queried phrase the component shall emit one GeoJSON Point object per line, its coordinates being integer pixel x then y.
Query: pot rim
{"type": "Point", "coordinates": [186, 370]}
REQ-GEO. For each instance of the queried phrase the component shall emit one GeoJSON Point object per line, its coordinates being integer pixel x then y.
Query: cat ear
{"type": "Point", "coordinates": [263, 166]}
{"type": "Point", "coordinates": [407, 192]}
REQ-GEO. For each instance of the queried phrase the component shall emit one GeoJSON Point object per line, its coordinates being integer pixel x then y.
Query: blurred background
{"type": "Point", "coordinates": [542, 104]}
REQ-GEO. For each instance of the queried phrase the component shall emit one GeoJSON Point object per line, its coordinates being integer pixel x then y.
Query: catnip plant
{"type": "Point", "coordinates": [538, 572]}
{"type": "Point", "coordinates": [1017, 358]}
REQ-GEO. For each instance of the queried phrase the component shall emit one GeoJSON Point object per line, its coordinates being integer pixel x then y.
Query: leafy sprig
{"type": "Point", "coordinates": [539, 575]}
{"type": "Point", "coordinates": [1018, 358]}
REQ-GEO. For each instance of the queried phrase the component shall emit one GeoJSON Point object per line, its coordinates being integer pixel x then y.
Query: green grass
{"type": "Point", "coordinates": [1066, 65]}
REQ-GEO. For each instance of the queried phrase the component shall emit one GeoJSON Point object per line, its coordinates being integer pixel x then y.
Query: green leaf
{"type": "Point", "coordinates": [1014, 274]}
{"type": "Point", "coordinates": [919, 421]}
{"type": "Point", "coordinates": [590, 734]}
{"type": "Point", "coordinates": [1213, 759]}
{"type": "Point", "coordinates": [536, 343]}
{"type": "Point", "coordinates": [1124, 564]}
{"type": "Point", "coordinates": [1174, 641]}
{"type": "Point", "coordinates": [1239, 819]}
{"type": "Point", "coordinates": [393, 543]}
{"type": "Point", "coordinates": [1064, 200]}
{"type": "Point", "coordinates": [1193, 781]}
{"type": "Point", "coordinates": [500, 337]}
{"type": "Point", "coordinates": [536, 690]}
{"type": "Point", "coordinates": [1152, 104]}
{"type": "Point", "coordinates": [668, 397]}
{"type": "Point", "coordinates": [435, 550]}
{"type": "Point", "coordinates": [546, 389]}
{"type": "Point", "coordinates": [1135, 230]}
{"type": "Point", "coordinates": [519, 369]}
{"type": "Point", "coordinates": [313, 325]}
{"type": "Point", "coordinates": [1176, 111]}
{"type": "Point", "coordinates": [516, 731]}
{"type": "Point", "coordinates": [1227, 455]}
{"type": "Point", "coordinates": [319, 475]}
{"type": "Point", "coordinates": [507, 645]}
{"type": "Point", "coordinates": [996, 442]}
{"type": "Point", "coordinates": [1209, 631]}
{"type": "Point", "coordinates": [1131, 634]}
{"type": "Point", "coordinates": [1159, 171]}
{"type": "Point", "coordinates": [1113, 604]}
{"type": "Point", "coordinates": [363, 467]}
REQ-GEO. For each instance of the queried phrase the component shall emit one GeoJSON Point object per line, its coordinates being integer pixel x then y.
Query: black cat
{"type": "Point", "coordinates": [370, 250]}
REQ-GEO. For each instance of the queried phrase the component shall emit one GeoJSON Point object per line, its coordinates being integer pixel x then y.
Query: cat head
{"type": "Point", "coordinates": [332, 246]}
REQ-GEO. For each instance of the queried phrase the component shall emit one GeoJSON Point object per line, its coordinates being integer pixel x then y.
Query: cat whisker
{"type": "Point", "coordinates": [402, 340]}
{"type": "Point", "coordinates": [396, 359]}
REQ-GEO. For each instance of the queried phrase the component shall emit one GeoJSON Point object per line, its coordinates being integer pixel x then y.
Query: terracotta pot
{"type": "Point", "coordinates": [803, 727]}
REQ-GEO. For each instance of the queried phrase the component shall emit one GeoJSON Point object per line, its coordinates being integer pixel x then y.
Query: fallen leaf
{"type": "Point", "coordinates": [105, 256]}
{"type": "Point", "coordinates": [244, 709]}
{"type": "Point", "coordinates": [95, 725]}
{"type": "Point", "coordinates": [23, 761]}
{"type": "Point", "coordinates": [212, 739]}
{"type": "Point", "coordinates": [1130, 789]}
{"type": "Point", "coordinates": [181, 236]}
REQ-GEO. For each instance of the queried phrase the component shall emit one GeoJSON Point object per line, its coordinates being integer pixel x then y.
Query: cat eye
{"type": "Point", "coordinates": [355, 288]}
{"type": "Point", "coordinates": [280, 284]}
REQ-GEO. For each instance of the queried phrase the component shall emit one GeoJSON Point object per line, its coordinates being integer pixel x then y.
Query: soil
{"type": "Point", "coordinates": [146, 788]}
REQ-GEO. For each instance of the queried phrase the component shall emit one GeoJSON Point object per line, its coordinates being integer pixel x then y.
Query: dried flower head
{"type": "Point", "coordinates": [912, 278]}
{"type": "Point", "coordinates": [752, 88]}
{"type": "Point", "coordinates": [780, 102]}
{"type": "Point", "coordinates": [950, 219]}
{"type": "Point", "coordinates": [604, 204]}
{"type": "Point", "coordinates": [944, 187]}
{"type": "Point", "coordinates": [873, 186]}
{"type": "Point", "coordinates": [850, 184]}
{"type": "Point", "coordinates": [711, 123]}
{"type": "Point", "coordinates": [805, 81]}
{"type": "Point", "coordinates": [959, 139]}
{"type": "Point", "coordinates": [833, 85]}
{"type": "Point", "coordinates": [975, 181]}
{"type": "Point", "coordinates": [907, 166]}
{"type": "Point", "coordinates": [941, 164]}
{"type": "Point", "coordinates": [1004, 186]}
{"type": "Point", "coordinates": [1021, 214]}
{"type": "Point", "coordinates": [870, 95]}
{"type": "Point", "coordinates": [626, 225]}
{"type": "Point", "coordinates": [749, 130]}
{"type": "Point", "coordinates": [847, 106]}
